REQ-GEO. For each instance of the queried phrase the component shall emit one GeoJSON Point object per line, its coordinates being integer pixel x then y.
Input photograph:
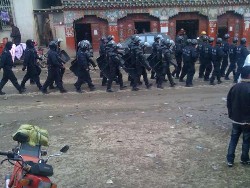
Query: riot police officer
{"type": "Point", "coordinates": [178, 56]}
{"type": "Point", "coordinates": [186, 59]}
{"type": "Point", "coordinates": [145, 66]}
{"type": "Point", "coordinates": [201, 48]}
{"type": "Point", "coordinates": [168, 60]}
{"type": "Point", "coordinates": [114, 63]}
{"type": "Point", "coordinates": [202, 40]}
{"type": "Point", "coordinates": [138, 62]}
{"type": "Point", "coordinates": [225, 47]}
{"type": "Point", "coordinates": [156, 54]}
{"type": "Point", "coordinates": [83, 59]}
{"type": "Point", "coordinates": [208, 60]}
{"type": "Point", "coordinates": [6, 65]}
{"type": "Point", "coordinates": [62, 70]}
{"type": "Point", "coordinates": [241, 54]}
{"type": "Point", "coordinates": [190, 56]}
{"type": "Point", "coordinates": [102, 53]}
{"type": "Point", "coordinates": [217, 56]}
{"type": "Point", "coordinates": [30, 62]}
{"type": "Point", "coordinates": [232, 58]}
{"type": "Point", "coordinates": [54, 69]}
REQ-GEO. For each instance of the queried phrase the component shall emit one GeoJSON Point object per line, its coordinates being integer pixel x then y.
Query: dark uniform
{"type": "Point", "coordinates": [190, 56]}
{"type": "Point", "coordinates": [54, 69]}
{"type": "Point", "coordinates": [139, 63]}
{"type": "Point", "coordinates": [178, 56]}
{"type": "Point", "coordinates": [156, 54]}
{"type": "Point", "coordinates": [217, 56]}
{"type": "Point", "coordinates": [145, 67]}
{"type": "Point", "coordinates": [241, 54]}
{"type": "Point", "coordinates": [206, 54]}
{"type": "Point", "coordinates": [185, 60]}
{"type": "Point", "coordinates": [6, 65]}
{"type": "Point", "coordinates": [114, 62]}
{"type": "Point", "coordinates": [232, 58]}
{"type": "Point", "coordinates": [102, 53]}
{"type": "Point", "coordinates": [201, 43]}
{"type": "Point", "coordinates": [156, 62]}
{"type": "Point", "coordinates": [62, 70]}
{"type": "Point", "coordinates": [30, 62]}
{"type": "Point", "coordinates": [168, 60]}
{"type": "Point", "coordinates": [83, 59]}
{"type": "Point", "coordinates": [225, 47]}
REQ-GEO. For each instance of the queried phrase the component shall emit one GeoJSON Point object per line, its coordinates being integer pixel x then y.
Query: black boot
{"type": "Point", "coordinates": [92, 88]}
{"type": "Point", "coordinates": [135, 89]}
{"type": "Point", "coordinates": [160, 86]}
{"type": "Point", "coordinates": [109, 90]}
{"type": "Point", "coordinates": [149, 85]}
{"type": "Point", "coordinates": [78, 90]}
{"type": "Point", "coordinates": [123, 87]}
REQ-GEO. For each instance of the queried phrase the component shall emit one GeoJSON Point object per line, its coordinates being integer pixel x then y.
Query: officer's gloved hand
{"type": "Point", "coordinates": [23, 69]}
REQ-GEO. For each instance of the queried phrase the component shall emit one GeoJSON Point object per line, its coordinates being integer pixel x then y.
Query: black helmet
{"type": "Point", "coordinates": [243, 40]}
{"type": "Point", "coordinates": [166, 42]}
{"type": "Point", "coordinates": [205, 38]}
{"type": "Point", "coordinates": [58, 41]}
{"type": "Point", "coordinates": [235, 39]}
{"type": "Point", "coordinates": [189, 41]}
{"type": "Point", "coordinates": [180, 38]}
{"type": "Point", "coordinates": [211, 39]}
{"type": "Point", "coordinates": [194, 42]}
{"type": "Point", "coordinates": [30, 43]}
{"type": "Point", "coordinates": [137, 40]}
{"type": "Point", "coordinates": [157, 37]}
{"type": "Point", "coordinates": [110, 37]}
{"type": "Point", "coordinates": [219, 41]}
{"type": "Point", "coordinates": [134, 37]}
{"type": "Point", "coordinates": [83, 45]}
{"type": "Point", "coordinates": [226, 36]}
{"type": "Point", "coordinates": [103, 39]}
{"type": "Point", "coordinates": [52, 44]}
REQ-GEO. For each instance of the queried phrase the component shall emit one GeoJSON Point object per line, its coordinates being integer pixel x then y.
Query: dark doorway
{"type": "Point", "coordinates": [83, 32]}
{"type": "Point", "coordinates": [190, 26]}
{"type": "Point", "coordinates": [142, 27]}
{"type": "Point", "coordinates": [222, 31]}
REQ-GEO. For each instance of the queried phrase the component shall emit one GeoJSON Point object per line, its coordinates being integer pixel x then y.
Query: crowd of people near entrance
{"type": "Point", "coordinates": [182, 54]}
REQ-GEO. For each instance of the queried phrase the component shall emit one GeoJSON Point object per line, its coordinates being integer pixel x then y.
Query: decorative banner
{"type": "Point", "coordinates": [4, 15]}
{"type": "Point", "coordinates": [69, 31]}
{"type": "Point", "coordinates": [114, 31]}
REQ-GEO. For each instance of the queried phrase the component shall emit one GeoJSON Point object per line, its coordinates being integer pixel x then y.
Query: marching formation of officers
{"type": "Point", "coordinates": [213, 62]}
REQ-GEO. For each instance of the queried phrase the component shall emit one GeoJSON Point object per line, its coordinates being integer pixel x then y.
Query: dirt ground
{"type": "Point", "coordinates": [175, 137]}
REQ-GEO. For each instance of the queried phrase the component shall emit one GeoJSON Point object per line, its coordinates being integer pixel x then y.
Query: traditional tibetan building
{"type": "Point", "coordinates": [92, 19]}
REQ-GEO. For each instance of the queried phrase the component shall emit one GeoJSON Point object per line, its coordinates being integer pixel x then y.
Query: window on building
{"type": "Point", "coordinates": [5, 14]}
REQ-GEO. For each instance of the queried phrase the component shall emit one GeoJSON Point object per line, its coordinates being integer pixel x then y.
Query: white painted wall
{"type": "Point", "coordinates": [23, 11]}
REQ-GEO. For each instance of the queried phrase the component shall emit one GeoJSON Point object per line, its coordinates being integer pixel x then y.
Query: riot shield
{"type": "Point", "coordinates": [64, 56]}
{"type": "Point", "coordinates": [74, 67]}
{"type": "Point", "coordinates": [127, 67]}
{"type": "Point", "coordinates": [103, 66]}
{"type": "Point", "coordinates": [155, 64]}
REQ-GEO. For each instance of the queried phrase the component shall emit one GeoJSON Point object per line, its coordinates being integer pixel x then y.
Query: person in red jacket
{"type": "Point", "coordinates": [238, 104]}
